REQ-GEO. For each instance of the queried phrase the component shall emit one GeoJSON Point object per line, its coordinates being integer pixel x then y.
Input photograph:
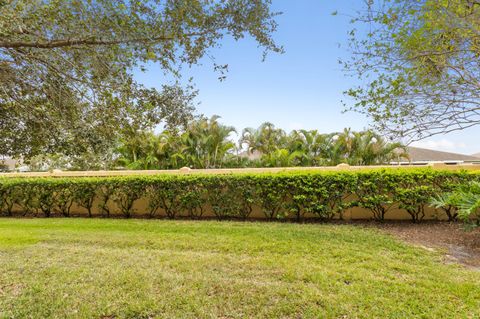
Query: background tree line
{"type": "Point", "coordinates": [208, 143]}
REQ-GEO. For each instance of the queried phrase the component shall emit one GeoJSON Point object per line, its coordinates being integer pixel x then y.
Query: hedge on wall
{"type": "Point", "coordinates": [324, 195]}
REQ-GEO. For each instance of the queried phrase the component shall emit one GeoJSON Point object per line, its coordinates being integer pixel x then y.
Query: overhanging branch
{"type": "Point", "coordinates": [79, 42]}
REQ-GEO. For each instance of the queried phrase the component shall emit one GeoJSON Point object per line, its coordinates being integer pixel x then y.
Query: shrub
{"type": "Point", "coordinates": [84, 195]}
{"type": "Point", "coordinates": [296, 195]}
{"type": "Point", "coordinates": [105, 192]}
{"type": "Point", "coordinates": [154, 200]}
{"type": "Point", "coordinates": [469, 203]}
{"type": "Point", "coordinates": [272, 195]}
{"type": "Point", "coordinates": [245, 190]}
{"type": "Point", "coordinates": [125, 192]}
{"type": "Point", "coordinates": [414, 200]}
{"type": "Point", "coordinates": [170, 197]}
{"type": "Point", "coordinates": [45, 196]}
{"type": "Point", "coordinates": [223, 197]}
{"type": "Point", "coordinates": [463, 202]}
{"type": "Point", "coordinates": [164, 193]}
{"type": "Point", "coordinates": [332, 192]}
{"type": "Point", "coordinates": [323, 195]}
{"type": "Point", "coordinates": [447, 202]}
{"type": "Point", "coordinates": [193, 196]}
{"type": "Point", "coordinates": [27, 198]}
{"type": "Point", "coordinates": [374, 191]}
{"type": "Point", "coordinates": [448, 198]}
{"type": "Point", "coordinates": [8, 197]}
{"type": "Point", "coordinates": [64, 197]}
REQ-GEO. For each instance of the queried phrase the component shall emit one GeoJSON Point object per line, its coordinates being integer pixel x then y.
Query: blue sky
{"type": "Point", "coordinates": [301, 88]}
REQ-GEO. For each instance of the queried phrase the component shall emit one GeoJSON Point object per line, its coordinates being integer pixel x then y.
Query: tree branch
{"type": "Point", "coordinates": [78, 42]}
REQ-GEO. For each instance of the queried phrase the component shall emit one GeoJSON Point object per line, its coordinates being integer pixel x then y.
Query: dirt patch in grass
{"type": "Point", "coordinates": [460, 244]}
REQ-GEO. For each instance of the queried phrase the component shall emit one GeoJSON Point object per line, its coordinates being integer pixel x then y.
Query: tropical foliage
{"type": "Point", "coordinates": [206, 143]}
{"type": "Point", "coordinates": [462, 203]}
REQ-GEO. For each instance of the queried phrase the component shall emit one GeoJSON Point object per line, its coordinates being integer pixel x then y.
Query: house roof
{"type": "Point", "coordinates": [425, 155]}
{"type": "Point", "coordinates": [10, 163]}
{"type": "Point", "coordinates": [255, 155]}
{"type": "Point", "coordinates": [416, 154]}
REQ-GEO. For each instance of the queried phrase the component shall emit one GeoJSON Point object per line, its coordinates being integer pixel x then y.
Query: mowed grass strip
{"type": "Point", "coordinates": [92, 268]}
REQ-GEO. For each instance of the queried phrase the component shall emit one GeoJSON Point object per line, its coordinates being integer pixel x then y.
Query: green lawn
{"type": "Point", "coordinates": [81, 268]}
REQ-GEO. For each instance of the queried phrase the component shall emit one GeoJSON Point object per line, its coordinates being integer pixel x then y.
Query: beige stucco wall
{"type": "Point", "coordinates": [141, 210]}
{"type": "Point", "coordinates": [341, 167]}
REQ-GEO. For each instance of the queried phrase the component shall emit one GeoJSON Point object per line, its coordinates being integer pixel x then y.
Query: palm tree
{"type": "Point", "coordinates": [207, 142]}
{"type": "Point", "coordinates": [283, 158]}
{"type": "Point", "coordinates": [364, 148]}
{"type": "Point", "coordinates": [134, 149]}
{"type": "Point", "coordinates": [265, 139]}
{"type": "Point", "coordinates": [332, 150]}
{"type": "Point", "coordinates": [371, 149]}
{"type": "Point", "coordinates": [169, 150]}
{"type": "Point", "coordinates": [312, 144]}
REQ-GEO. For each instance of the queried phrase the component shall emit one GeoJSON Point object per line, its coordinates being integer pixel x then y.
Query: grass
{"type": "Point", "coordinates": [83, 268]}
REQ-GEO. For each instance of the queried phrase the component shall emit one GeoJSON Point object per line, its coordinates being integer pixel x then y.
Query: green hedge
{"type": "Point", "coordinates": [324, 195]}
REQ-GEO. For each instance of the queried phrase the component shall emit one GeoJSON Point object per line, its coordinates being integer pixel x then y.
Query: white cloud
{"type": "Point", "coordinates": [441, 145]}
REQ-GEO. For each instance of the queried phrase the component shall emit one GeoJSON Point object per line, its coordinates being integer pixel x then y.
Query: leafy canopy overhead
{"type": "Point", "coordinates": [66, 65]}
{"type": "Point", "coordinates": [418, 65]}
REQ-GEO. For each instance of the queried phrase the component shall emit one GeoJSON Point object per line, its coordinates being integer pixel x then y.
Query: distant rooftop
{"type": "Point", "coordinates": [426, 155]}
{"type": "Point", "coordinates": [8, 162]}
{"type": "Point", "coordinates": [417, 155]}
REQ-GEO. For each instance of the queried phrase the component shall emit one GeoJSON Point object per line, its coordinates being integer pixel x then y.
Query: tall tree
{"type": "Point", "coordinates": [264, 139]}
{"type": "Point", "coordinates": [418, 65]}
{"type": "Point", "coordinates": [369, 148]}
{"type": "Point", "coordinates": [207, 142]}
{"type": "Point", "coordinates": [311, 144]}
{"type": "Point", "coordinates": [66, 66]}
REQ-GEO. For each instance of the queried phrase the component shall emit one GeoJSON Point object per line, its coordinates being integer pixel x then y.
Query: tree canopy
{"type": "Point", "coordinates": [418, 65]}
{"type": "Point", "coordinates": [66, 66]}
